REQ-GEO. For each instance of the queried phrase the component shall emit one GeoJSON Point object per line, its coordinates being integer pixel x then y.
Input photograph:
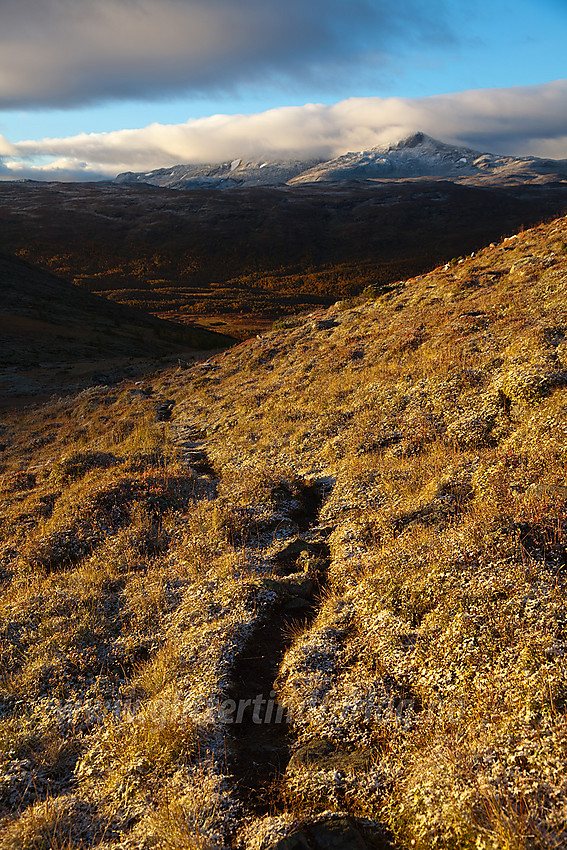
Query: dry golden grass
{"type": "Point", "coordinates": [433, 421]}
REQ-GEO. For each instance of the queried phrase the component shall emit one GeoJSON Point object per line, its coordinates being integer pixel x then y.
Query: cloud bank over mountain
{"type": "Point", "coordinates": [69, 52]}
{"type": "Point", "coordinates": [530, 120]}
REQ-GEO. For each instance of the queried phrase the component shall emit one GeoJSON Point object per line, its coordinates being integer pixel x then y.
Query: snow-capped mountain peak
{"type": "Point", "coordinates": [414, 156]}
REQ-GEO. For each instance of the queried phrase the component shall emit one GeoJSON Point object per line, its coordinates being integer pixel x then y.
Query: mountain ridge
{"type": "Point", "coordinates": [226, 175]}
{"type": "Point", "coordinates": [415, 156]}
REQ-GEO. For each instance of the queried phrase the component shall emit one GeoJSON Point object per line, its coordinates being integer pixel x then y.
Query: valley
{"type": "Point", "coordinates": [58, 339]}
{"type": "Point", "coordinates": [235, 261]}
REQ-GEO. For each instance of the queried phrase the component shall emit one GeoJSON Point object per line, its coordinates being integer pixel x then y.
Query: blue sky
{"type": "Point", "coordinates": [84, 71]}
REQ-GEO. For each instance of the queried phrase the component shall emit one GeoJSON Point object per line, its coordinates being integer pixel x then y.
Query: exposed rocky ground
{"type": "Point", "coordinates": [358, 523]}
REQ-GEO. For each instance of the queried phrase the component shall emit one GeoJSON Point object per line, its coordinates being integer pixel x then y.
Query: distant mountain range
{"type": "Point", "coordinates": [227, 175]}
{"type": "Point", "coordinates": [415, 156]}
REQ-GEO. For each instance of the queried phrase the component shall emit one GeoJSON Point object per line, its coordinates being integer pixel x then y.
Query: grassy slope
{"type": "Point", "coordinates": [434, 421]}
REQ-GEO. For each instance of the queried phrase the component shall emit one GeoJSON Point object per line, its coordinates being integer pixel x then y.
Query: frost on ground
{"type": "Point", "coordinates": [383, 486]}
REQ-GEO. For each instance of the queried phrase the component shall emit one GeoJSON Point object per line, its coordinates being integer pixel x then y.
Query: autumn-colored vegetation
{"type": "Point", "coordinates": [392, 471]}
{"type": "Point", "coordinates": [238, 260]}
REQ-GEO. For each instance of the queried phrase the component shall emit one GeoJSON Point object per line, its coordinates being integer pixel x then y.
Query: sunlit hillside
{"type": "Point", "coordinates": [309, 593]}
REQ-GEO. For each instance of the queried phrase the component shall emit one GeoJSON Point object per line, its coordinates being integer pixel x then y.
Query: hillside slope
{"type": "Point", "coordinates": [238, 260]}
{"type": "Point", "coordinates": [360, 522]}
{"type": "Point", "coordinates": [55, 335]}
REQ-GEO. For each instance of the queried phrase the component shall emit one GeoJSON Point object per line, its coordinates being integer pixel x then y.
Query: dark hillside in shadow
{"type": "Point", "coordinates": [237, 260]}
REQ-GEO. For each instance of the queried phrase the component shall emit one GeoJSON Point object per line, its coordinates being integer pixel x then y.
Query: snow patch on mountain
{"type": "Point", "coordinates": [227, 175]}
{"type": "Point", "coordinates": [415, 156]}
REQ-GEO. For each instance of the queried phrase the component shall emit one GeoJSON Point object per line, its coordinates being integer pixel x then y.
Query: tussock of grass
{"type": "Point", "coordinates": [50, 823]}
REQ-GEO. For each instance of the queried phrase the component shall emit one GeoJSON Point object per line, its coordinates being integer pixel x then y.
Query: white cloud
{"type": "Point", "coordinates": [62, 170]}
{"type": "Point", "coordinates": [61, 52]}
{"type": "Point", "coordinates": [6, 148]}
{"type": "Point", "coordinates": [553, 148]}
{"type": "Point", "coordinates": [521, 120]}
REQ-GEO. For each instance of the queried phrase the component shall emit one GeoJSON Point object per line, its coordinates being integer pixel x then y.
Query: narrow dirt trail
{"type": "Point", "coordinates": [261, 746]}
{"type": "Point", "coordinates": [258, 743]}
{"type": "Point", "coordinates": [258, 729]}
{"type": "Point", "coordinates": [191, 444]}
